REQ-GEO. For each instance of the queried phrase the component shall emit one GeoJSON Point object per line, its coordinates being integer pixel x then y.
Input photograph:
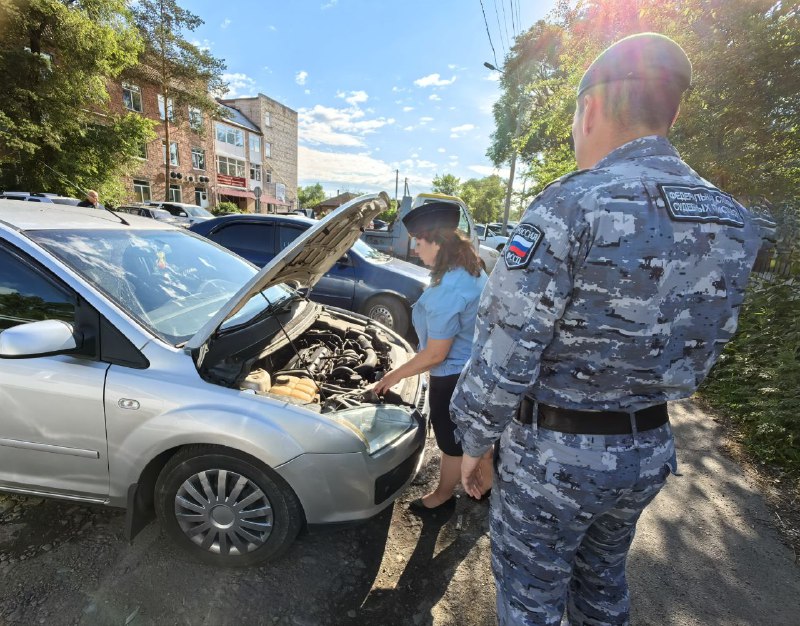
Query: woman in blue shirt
{"type": "Point", "coordinates": [444, 319]}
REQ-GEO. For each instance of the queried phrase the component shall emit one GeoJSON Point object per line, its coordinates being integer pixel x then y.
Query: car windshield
{"type": "Point", "coordinates": [162, 214]}
{"type": "Point", "coordinates": [368, 252]}
{"type": "Point", "coordinates": [172, 282]}
{"type": "Point", "coordinates": [196, 211]}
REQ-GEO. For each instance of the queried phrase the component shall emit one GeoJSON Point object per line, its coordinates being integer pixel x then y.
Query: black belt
{"type": "Point", "coordinates": [591, 422]}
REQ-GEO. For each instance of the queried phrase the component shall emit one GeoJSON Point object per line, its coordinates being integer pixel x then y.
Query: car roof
{"type": "Point", "coordinates": [44, 216]}
{"type": "Point", "coordinates": [256, 217]}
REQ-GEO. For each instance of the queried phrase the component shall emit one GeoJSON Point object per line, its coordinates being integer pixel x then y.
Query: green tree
{"type": "Point", "coordinates": [484, 197]}
{"type": "Point", "coordinates": [446, 184]}
{"type": "Point", "coordinates": [56, 133]}
{"type": "Point", "coordinates": [310, 195]}
{"type": "Point", "coordinates": [183, 72]}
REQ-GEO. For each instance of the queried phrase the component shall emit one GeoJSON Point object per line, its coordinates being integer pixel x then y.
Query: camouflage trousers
{"type": "Point", "coordinates": [563, 514]}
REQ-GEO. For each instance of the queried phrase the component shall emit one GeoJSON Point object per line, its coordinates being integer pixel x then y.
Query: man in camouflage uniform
{"type": "Point", "coordinates": [620, 286]}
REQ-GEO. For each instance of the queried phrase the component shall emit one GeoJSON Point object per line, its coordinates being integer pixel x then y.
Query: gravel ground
{"type": "Point", "coordinates": [707, 552]}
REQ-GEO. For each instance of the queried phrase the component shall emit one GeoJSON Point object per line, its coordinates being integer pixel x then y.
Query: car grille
{"type": "Point", "coordinates": [392, 480]}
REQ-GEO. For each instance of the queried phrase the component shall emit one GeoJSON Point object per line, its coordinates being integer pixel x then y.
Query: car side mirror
{"type": "Point", "coordinates": [35, 339]}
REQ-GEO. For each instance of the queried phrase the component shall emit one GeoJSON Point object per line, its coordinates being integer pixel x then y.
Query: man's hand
{"type": "Point", "coordinates": [471, 477]}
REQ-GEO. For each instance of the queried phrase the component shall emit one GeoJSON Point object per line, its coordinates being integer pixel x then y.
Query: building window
{"type": "Point", "coordinates": [142, 151]}
{"type": "Point", "coordinates": [199, 196]}
{"type": "Point", "coordinates": [175, 193]}
{"type": "Point", "coordinates": [141, 189]}
{"type": "Point", "coordinates": [267, 176]}
{"type": "Point", "coordinates": [230, 167]}
{"type": "Point", "coordinates": [198, 158]}
{"type": "Point", "coordinates": [267, 121]}
{"type": "Point", "coordinates": [226, 134]}
{"type": "Point", "coordinates": [255, 172]}
{"type": "Point", "coordinates": [169, 108]}
{"type": "Point", "coordinates": [173, 153]}
{"type": "Point", "coordinates": [267, 149]}
{"type": "Point", "coordinates": [255, 146]}
{"type": "Point", "coordinates": [132, 97]}
{"type": "Point", "coordinates": [195, 119]}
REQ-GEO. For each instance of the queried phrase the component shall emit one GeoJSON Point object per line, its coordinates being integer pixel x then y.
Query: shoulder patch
{"type": "Point", "coordinates": [701, 204]}
{"type": "Point", "coordinates": [521, 246]}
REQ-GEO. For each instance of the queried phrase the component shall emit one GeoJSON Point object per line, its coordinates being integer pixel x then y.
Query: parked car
{"type": "Point", "coordinates": [193, 213]}
{"type": "Point", "coordinates": [49, 198]}
{"type": "Point", "coordinates": [362, 280]}
{"type": "Point", "coordinates": [145, 367]}
{"type": "Point", "coordinates": [154, 213]}
{"type": "Point", "coordinates": [489, 236]}
{"type": "Point", "coordinates": [498, 226]}
{"type": "Point", "coordinates": [489, 256]}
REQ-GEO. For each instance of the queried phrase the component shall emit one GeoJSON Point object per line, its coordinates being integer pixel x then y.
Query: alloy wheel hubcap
{"type": "Point", "coordinates": [223, 512]}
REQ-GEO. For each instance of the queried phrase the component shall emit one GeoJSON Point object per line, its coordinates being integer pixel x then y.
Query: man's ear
{"type": "Point", "coordinates": [589, 118]}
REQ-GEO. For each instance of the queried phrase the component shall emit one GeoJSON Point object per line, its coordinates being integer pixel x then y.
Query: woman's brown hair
{"type": "Point", "coordinates": [455, 250]}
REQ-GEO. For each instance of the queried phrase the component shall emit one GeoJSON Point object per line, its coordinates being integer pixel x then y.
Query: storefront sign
{"type": "Point", "coordinates": [233, 181]}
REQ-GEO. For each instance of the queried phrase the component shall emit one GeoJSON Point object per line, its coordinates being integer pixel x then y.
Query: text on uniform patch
{"type": "Point", "coordinates": [523, 244]}
{"type": "Point", "coordinates": [701, 204]}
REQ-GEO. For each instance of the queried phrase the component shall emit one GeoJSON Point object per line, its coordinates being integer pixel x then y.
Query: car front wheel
{"type": "Point", "coordinates": [388, 311]}
{"type": "Point", "coordinates": [226, 509]}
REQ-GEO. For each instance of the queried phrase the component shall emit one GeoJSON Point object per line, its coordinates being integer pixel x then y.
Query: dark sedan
{"type": "Point", "coordinates": [364, 280]}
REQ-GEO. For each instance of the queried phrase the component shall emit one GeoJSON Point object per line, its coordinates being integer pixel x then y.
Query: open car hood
{"type": "Point", "coordinates": [305, 260]}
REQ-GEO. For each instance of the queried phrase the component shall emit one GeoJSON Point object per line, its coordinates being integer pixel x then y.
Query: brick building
{"type": "Point", "coordinates": [191, 151]}
{"type": "Point", "coordinates": [239, 160]}
{"type": "Point", "coordinates": [278, 126]}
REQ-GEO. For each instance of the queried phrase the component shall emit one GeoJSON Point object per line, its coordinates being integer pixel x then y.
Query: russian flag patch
{"type": "Point", "coordinates": [523, 243]}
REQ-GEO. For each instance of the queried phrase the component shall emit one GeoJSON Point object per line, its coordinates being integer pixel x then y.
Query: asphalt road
{"type": "Point", "coordinates": [706, 553]}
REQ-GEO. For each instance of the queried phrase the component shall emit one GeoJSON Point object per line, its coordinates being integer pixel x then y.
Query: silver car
{"type": "Point", "coordinates": [142, 366]}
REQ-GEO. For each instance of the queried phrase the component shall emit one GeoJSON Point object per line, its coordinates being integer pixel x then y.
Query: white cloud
{"type": "Point", "coordinates": [434, 97]}
{"type": "Point", "coordinates": [426, 164]}
{"type": "Point", "coordinates": [440, 150]}
{"type": "Point", "coordinates": [425, 120]}
{"type": "Point", "coordinates": [337, 127]}
{"type": "Point", "coordinates": [397, 89]}
{"type": "Point", "coordinates": [267, 69]}
{"type": "Point", "coordinates": [300, 77]}
{"type": "Point", "coordinates": [239, 85]}
{"type": "Point", "coordinates": [463, 128]}
{"type": "Point", "coordinates": [452, 66]}
{"type": "Point", "coordinates": [407, 109]}
{"type": "Point", "coordinates": [433, 80]}
{"type": "Point", "coordinates": [204, 45]}
{"type": "Point", "coordinates": [225, 23]}
{"type": "Point", "coordinates": [355, 97]}
{"type": "Point", "coordinates": [409, 128]}
{"type": "Point", "coordinates": [492, 76]}
{"type": "Point", "coordinates": [414, 156]}
{"type": "Point", "coordinates": [487, 170]}
{"type": "Point", "coordinates": [272, 28]}
{"type": "Point", "coordinates": [361, 171]}
{"type": "Point", "coordinates": [330, 4]}
{"type": "Point", "coordinates": [307, 91]}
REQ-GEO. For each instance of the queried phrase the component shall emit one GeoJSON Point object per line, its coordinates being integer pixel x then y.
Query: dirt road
{"type": "Point", "coordinates": [706, 553]}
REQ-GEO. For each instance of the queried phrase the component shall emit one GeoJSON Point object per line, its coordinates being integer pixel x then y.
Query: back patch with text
{"type": "Point", "coordinates": [701, 204]}
{"type": "Point", "coordinates": [520, 248]}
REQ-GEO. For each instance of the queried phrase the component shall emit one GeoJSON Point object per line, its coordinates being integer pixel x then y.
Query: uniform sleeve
{"type": "Point", "coordinates": [443, 313]}
{"type": "Point", "coordinates": [524, 298]}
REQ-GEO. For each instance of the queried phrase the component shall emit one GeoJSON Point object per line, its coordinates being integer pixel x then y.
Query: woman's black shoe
{"type": "Point", "coordinates": [418, 506]}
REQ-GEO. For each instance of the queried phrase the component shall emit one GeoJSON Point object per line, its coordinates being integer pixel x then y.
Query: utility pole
{"type": "Point", "coordinates": [515, 136]}
{"type": "Point", "coordinates": [396, 184]}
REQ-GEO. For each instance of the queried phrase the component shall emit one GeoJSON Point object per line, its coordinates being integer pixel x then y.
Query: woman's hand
{"type": "Point", "coordinates": [390, 379]}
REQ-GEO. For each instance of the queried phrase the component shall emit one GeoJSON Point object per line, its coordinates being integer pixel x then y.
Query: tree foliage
{"type": "Point", "coordinates": [310, 195]}
{"type": "Point", "coordinates": [484, 197]}
{"type": "Point", "coordinates": [55, 59]}
{"type": "Point", "coordinates": [183, 72]}
{"type": "Point", "coordinates": [447, 184]}
{"type": "Point", "coordinates": [739, 123]}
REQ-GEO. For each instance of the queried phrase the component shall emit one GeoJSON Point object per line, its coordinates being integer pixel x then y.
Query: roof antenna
{"type": "Point", "coordinates": [64, 179]}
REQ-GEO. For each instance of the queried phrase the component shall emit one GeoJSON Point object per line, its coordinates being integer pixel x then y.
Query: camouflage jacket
{"type": "Point", "coordinates": [618, 290]}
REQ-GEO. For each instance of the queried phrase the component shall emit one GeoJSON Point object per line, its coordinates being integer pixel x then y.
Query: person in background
{"type": "Point", "coordinates": [92, 200]}
{"type": "Point", "coordinates": [444, 320]}
{"type": "Point", "coordinates": [619, 288]}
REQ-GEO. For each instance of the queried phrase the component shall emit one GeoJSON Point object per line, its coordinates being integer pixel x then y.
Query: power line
{"type": "Point", "coordinates": [494, 54]}
{"type": "Point", "coordinates": [513, 21]}
{"type": "Point", "coordinates": [499, 28]}
{"type": "Point", "coordinates": [505, 21]}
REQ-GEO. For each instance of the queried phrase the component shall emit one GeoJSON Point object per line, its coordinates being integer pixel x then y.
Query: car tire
{"type": "Point", "coordinates": [390, 312]}
{"type": "Point", "coordinates": [225, 508]}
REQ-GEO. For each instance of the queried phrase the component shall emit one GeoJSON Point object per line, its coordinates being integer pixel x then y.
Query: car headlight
{"type": "Point", "coordinates": [377, 426]}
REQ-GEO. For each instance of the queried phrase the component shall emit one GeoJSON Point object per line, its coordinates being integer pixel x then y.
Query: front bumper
{"type": "Point", "coordinates": [338, 488]}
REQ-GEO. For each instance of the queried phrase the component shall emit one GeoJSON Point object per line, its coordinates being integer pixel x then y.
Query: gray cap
{"type": "Point", "coordinates": [646, 56]}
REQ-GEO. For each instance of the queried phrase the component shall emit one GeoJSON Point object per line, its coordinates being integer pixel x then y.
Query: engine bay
{"type": "Point", "coordinates": [333, 364]}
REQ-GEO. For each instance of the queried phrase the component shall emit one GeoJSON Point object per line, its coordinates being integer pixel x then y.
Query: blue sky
{"type": "Point", "coordinates": [378, 86]}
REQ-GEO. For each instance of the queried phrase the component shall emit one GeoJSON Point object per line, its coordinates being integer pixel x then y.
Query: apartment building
{"type": "Point", "coordinates": [277, 124]}
{"type": "Point", "coordinates": [191, 151]}
{"type": "Point", "coordinates": [239, 158]}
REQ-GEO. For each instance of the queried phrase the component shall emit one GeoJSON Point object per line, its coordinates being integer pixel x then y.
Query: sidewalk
{"type": "Point", "coordinates": [706, 551]}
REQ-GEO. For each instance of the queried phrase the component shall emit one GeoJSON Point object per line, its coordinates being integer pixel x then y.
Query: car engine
{"type": "Point", "coordinates": [331, 364]}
